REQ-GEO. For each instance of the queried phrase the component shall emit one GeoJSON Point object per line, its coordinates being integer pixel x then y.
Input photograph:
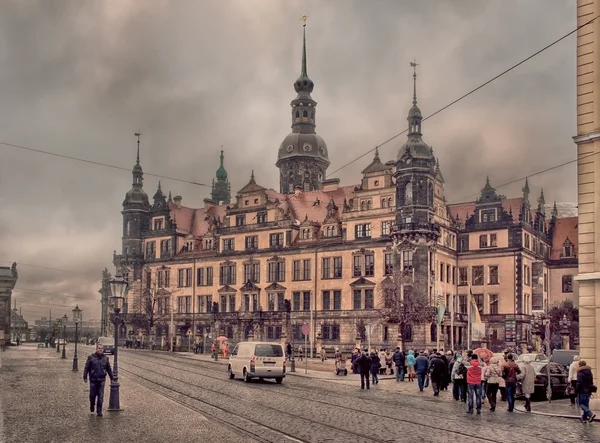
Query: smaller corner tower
{"type": "Point", "coordinates": [302, 158]}
{"type": "Point", "coordinates": [221, 189]}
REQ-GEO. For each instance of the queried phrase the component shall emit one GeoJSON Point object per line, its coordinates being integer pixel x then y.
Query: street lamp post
{"type": "Point", "coordinates": [58, 324]}
{"type": "Point", "coordinates": [76, 319]}
{"type": "Point", "coordinates": [65, 320]}
{"type": "Point", "coordinates": [118, 288]}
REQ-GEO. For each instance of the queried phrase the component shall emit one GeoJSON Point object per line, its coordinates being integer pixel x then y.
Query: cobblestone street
{"type": "Point", "coordinates": [180, 397]}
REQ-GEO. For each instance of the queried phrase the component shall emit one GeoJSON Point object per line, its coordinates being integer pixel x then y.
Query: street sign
{"type": "Point", "coordinates": [305, 329]}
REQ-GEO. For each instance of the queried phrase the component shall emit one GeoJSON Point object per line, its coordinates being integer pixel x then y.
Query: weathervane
{"type": "Point", "coordinates": [414, 66]}
{"type": "Point", "coordinates": [137, 134]}
{"type": "Point", "coordinates": [303, 20]}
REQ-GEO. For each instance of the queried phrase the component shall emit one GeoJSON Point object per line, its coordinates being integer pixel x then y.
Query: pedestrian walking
{"type": "Point", "coordinates": [323, 354]}
{"type": "Point", "coordinates": [573, 379]}
{"type": "Point", "coordinates": [410, 365]}
{"type": "Point", "coordinates": [585, 388]}
{"type": "Point", "coordinates": [288, 351]}
{"type": "Point", "coordinates": [364, 368]}
{"type": "Point", "coordinates": [437, 372]}
{"type": "Point", "coordinates": [459, 382]}
{"type": "Point", "coordinates": [527, 378]}
{"type": "Point", "coordinates": [398, 358]}
{"type": "Point", "coordinates": [300, 353]}
{"type": "Point", "coordinates": [375, 366]}
{"type": "Point", "coordinates": [493, 377]}
{"type": "Point", "coordinates": [421, 368]}
{"type": "Point", "coordinates": [510, 371]}
{"type": "Point", "coordinates": [96, 367]}
{"type": "Point", "coordinates": [474, 384]}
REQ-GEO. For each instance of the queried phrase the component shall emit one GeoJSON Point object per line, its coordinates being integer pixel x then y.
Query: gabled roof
{"type": "Point", "coordinates": [275, 287]}
{"type": "Point", "coordinates": [249, 286]}
{"type": "Point", "coordinates": [362, 282]}
{"type": "Point", "coordinates": [376, 165]}
{"type": "Point", "coordinates": [252, 186]}
{"type": "Point", "coordinates": [565, 228]}
{"type": "Point", "coordinates": [226, 289]}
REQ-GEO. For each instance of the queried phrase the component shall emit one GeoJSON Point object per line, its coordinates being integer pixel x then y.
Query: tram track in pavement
{"type": "Point", "coordinates": [310, 423]}
{"type": "Point", "coordinates": [425, 414]}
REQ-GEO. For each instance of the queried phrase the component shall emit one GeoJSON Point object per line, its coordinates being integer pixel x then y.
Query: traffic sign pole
{"type": "Point", "coordinates": [305, 331]}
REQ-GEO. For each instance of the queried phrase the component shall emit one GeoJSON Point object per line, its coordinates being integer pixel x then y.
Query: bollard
{"type": "Point", "coordinates": [293, 365]}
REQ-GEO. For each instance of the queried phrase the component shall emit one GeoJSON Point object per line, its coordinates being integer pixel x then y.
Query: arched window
{"type": "Point", "coordinates": [297, 113]}
{"type": "Point", "coordinates": [362, 205]}
{"type": "Point", "coordinates": [312, 115]}
{"type": "Point", "coordinates": [305, 113]}
{"type": "Point", "coordinates": [389, 202]}
{"type": "Point", "coordinates": [368, 204]}
{"type": "Point", "coordinates": [383, 203]}
{"type": "Point", "coordinates": [408, 193]}
{"type": "Point", "coordinates": [434, 332]}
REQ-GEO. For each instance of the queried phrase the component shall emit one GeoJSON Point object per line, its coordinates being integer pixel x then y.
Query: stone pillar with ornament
{"type": "Point", "coordinates": [565, 332]}
{"type": "Point", "coordinates": [319, 342]}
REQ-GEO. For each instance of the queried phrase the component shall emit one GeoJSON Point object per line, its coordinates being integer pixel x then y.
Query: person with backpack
{"type": "Point", "coordinates": [459, 372]}
{"type": "Point", "coordinates": [474, 384]}
{"type": "Point", "coordinates": [363, 363]}
{"type": "Point", "coordinates": [399, 362]}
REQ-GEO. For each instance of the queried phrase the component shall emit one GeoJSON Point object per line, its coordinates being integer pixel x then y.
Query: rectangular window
{"type": "Point", "coordinates": [276, 271]}
{"type": "Point", "coordinates": [448, 271]}
{"type": "Point", "coordinates": [483, 241]}
{"type": "Point", "coordinates": [306, 270]}
{"type": "Point", "coordinates": [326, 268]}
{"type": "Point", "coordinates": [240, 220]}
{"type": "Point", "coordinates": [337, 300]}
{"type": "Point", "coordinates": [527, 272]}
{"type": "Point", "coordinates": [453, 275]}
{"type": "Point", "coordinates": [362, 230]}
{"type": "Point", "coordinates": [209, 303]}
{"type": "Point", "coordinates": [494, 304]}
{"type": "Point", "coordinates": [337, 267]}
{"type": "Point", "coordinates": [271, 302]}
{"type": "Point", "coordinates": [442, 266]}
{"type": "Point", "coordinates": [255, 305]}
{"type": "Point", "coordinates": [296, 270]}
{"type": "Point", "coordinates": [389, 264]}
{"type": "Point", "coordinates": [386, 228]}
{"type": "Point", "coordinates": [527, 241]}
{"type": "Point", "coordinates": [369, 299]}
{"type": "Point", "coordinates": [306, 301]}
{"type": "Point", "coordinates": [188, 277]}
{"type": "Point", "coordinates": [201, 303]}
{"type": "Point", "coordinates": [358, 265]}
{"type": "Point", "coordinates": [538, 302]}
{"type": "Point", "coordinates": [246, 303]}
{"type": "Point", "coordinates": [252, 272]}
{"type": "Point", "coordinates": [545, 282]}
{"type": "Point", "coordinates": [493, 271]}
{"type": "Point", "coordinates": [184, 304]}
{"type": "Point", "coordinates": [276, 240]}
{"type": "Point", "coordinates": [151, 249]}
{"type": "Point", "coordinates": [261, 217]}
{"type": "Point", "coordinates": [493, 240]}
{"type": "Point", "coordinates": [296, 301]}
{"type": "Point", "coordinates": [463, 243]}
{"type": "Point", "coordinates": [357, 299]}
{"type": "Point", "coordinates": [477, 275]}
{"type": "Point", "coordinates": [407, 260]}
{"type": "Point", "coordinates": [567, 284]}
{"type": "Point", "coordinates": [223, 303]}
{"type": "Point", "coordinates": [462, 304]}
{"type": "Point", "coordinates": [158, 224]}
{"type": "Point", "coordinates": [227, 275]}
{"type": "Point", "coordinates": [252, 242]}
{"type": "Point", "coordinates": [479, 302]}
{"type": "Point", "coordinates": [326, 300]}
{"type": "Point", "coordinates": [229, 244]}
{"type": "Point", "coordinates": [165, 248]}
{"type": "Point", "coordinates": [325, 329]}
{"type": "Point", "coordinates": [232, 303]}
{"type": "Point", "coordinates": [181, 278]}
{"type": "Point", "coordinates": [369, 265]}
{"type": "Point", "coordinates": [280, 301]}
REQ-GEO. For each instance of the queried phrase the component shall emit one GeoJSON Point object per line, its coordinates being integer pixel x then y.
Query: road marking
{"type": "Point", "coordinates": [292, 438]}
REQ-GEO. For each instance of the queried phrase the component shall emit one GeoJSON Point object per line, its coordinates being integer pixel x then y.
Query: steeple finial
{"type": "Point", "coordinates": [252, 176]}
{"type": "Point", "coordinates": [304, 71]}
{"type": "Point", "coordinates": [554, 210]}
{"type": "Point", "coordinates": [222, 156]}
{"type": "Point", "coordinates": [170, 198]}
{"type": "Point", "coordinates": [542, 199]}
{"type": "Point", "coordinates": [138, 134]}
{"type": "Point", "coordinates": [414, 66]}
{"type": "Point", "coordinates": [159, 188]}
{"type": "Point", "coordinates": [487, 180]}
{"type": "Point", "coordinates": [376, 153]}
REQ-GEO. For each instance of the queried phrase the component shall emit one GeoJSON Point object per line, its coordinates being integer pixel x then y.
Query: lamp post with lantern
{"type": "Point", "coordinates": [58, 328]}
{"type": "Point", "coordinates": [76, 319]}
{"type": "Point", "coordinates": [118, 287]}
{"type": "Point", "coordinates": [65, 319]}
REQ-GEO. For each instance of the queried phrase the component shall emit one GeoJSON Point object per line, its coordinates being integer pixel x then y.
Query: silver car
{"type": "Point", "coordinates": [108, 343]}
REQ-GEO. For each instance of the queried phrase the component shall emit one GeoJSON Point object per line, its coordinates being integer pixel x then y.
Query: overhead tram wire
{"type": "Point", "coordinates": [470, 92]}
{"type": "Point", "coordinates": [520, 179]}
{"type": "Point", "coordinates": [96, 163]}
{"type": "Point", "coordinates": [41, 267]}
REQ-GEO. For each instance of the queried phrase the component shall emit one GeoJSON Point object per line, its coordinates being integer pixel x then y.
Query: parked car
{"type": "Point", "coordinates": [532, 357]}
{"type": "Point", "coordinates": [108, 343]}
{"type": "Point", "coordinates": [563, 357]}
{"type": "Point", "coordinates": [558, 379]}
{"type": "Point", "coordinates": [257, 360]}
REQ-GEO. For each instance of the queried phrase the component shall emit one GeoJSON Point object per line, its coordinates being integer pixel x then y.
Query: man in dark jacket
{"type": "Point", "coordinates": [510, 370]}
{"type": "Point", "coordinates": [583, 389]}
{"type": "Point", "coordinates": [437, 369]}
{"type": "Point", "coordinates": [97, 366]}
{"type": "Point", "coordinates": [398, 358]}
{"type": "Point", "coordinates": [421, 367]}
{"type": "Point", "coordinates": [364, 367]}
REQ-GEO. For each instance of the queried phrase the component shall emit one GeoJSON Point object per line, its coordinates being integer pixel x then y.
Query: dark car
{"type": "Point", "coordinates": [558, 379]}
{"type": "Point", "coordinates": [108, 343]}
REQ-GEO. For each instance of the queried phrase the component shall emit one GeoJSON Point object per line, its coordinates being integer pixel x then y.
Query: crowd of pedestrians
{"type": "Point", "coordinates": [473, 381]}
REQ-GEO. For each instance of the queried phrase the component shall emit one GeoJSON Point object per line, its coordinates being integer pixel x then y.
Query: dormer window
{"type": "Point", "coordinates": [240, 220]}
{"type": "Point", "coordinates": [158, 224]}
{"type": "Point", "coordinates": [261, 217]}
{"type": "Point", "coordinates": [306, 234]}
{"type": "Point", "coordinates": [329, 231]}
{"type": "Point", "coordinates": [568, 249]}
{"type": "Point", "coordinates": [207, 244]}
{"type": "Point", "coordinates": [255, 201]}
{"type": "Point", "coordinates": [188, 246]}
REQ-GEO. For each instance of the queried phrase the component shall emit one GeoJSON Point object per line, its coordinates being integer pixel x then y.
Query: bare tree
{"type": "Point", "coordinates": [152, 306]}
{"type": "Point", "coordinates": [404, 301]}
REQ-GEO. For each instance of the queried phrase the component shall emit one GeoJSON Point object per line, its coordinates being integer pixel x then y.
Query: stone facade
{"type": "Point", "coordinates": [322, 254]}
{"type": "Point", "coordinates": [8, 280]}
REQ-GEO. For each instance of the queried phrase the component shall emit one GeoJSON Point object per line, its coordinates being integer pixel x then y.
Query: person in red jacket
{"type": "Point", "coordinates": [474, 384]}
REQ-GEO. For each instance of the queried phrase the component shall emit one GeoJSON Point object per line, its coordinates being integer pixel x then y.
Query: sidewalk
{"type": "Point", "coordinates": [559, 408]}
{"type": "Point", "coordinates": [42, 399]}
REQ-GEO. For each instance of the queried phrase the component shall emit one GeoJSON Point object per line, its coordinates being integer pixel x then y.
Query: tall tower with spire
{"type": "Point", "coordinates": [303, 157]}
{"type": "Point", "coordinates": [136, 219]}
{"type": "Point", "coordinates": [221, 189]}
{"type": "Point", "coordinates": [416, 234]}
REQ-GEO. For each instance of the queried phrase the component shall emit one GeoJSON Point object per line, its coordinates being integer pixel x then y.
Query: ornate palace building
{"type": "Point", "coordinates": [265, 263]}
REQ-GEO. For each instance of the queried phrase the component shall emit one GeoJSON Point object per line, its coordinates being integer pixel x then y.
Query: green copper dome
{"type": "Point", "coordinates": [221, 172]}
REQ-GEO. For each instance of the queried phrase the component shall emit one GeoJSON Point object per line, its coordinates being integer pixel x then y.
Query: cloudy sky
{"type": "Point", "coordinates": [79, 78]}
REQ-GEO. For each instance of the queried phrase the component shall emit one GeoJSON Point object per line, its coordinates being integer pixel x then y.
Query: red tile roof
{"type": "Point", "coordinates": [194, 221]}
{"type": "Point", "coordinates": [565, 228]}
{"type": "Point", "coordinates": [465, 210]}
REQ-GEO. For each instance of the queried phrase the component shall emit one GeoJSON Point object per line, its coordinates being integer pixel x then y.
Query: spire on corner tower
{"type": "Point", "coordinates": [221, 189]}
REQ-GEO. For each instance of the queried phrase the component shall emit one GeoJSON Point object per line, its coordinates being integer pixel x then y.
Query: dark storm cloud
{"type": "Point", "coordinates": [78, 78]}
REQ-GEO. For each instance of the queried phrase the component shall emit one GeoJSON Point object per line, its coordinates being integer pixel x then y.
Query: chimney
{"type": "Point", "coordinates": [177, 200]}
{"type": "Point", "coordinates": [331, 184]}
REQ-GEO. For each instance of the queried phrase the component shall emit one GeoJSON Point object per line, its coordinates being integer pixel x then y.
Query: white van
{"type": "Point", "coordinates": [257, 360]}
